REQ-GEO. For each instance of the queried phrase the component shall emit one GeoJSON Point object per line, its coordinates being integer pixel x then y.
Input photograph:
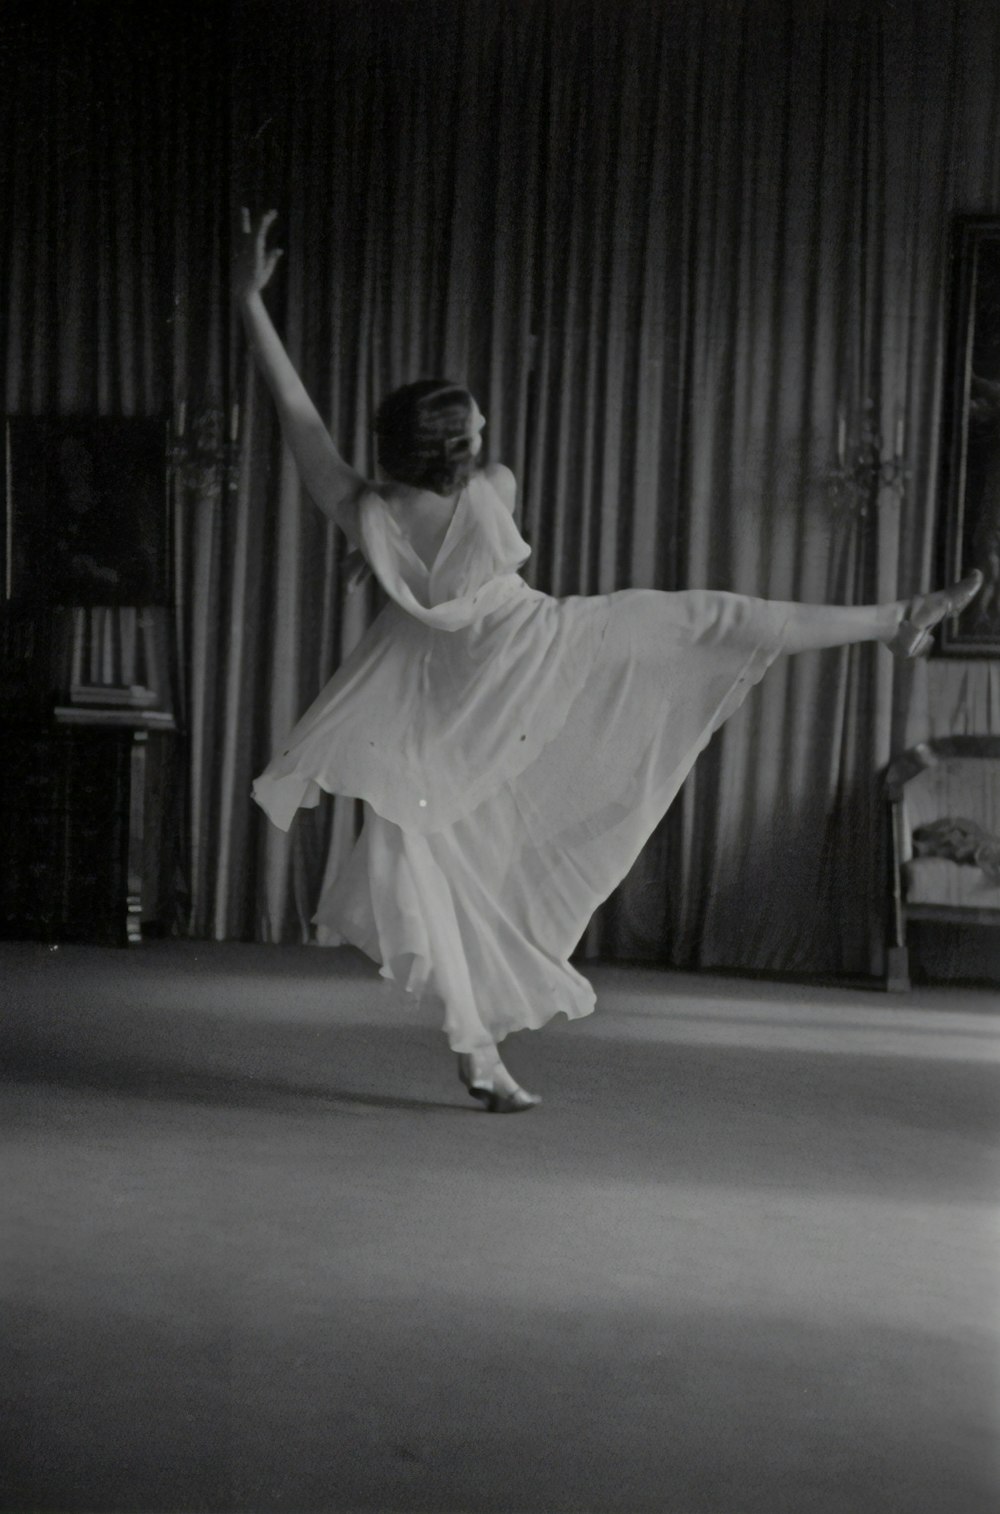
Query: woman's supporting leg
{"type": "Point", "coordinates": [488, 1080]}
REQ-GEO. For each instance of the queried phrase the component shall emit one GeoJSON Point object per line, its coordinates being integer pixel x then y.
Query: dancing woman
{"type": "Point", "coordinates": [513, 751]}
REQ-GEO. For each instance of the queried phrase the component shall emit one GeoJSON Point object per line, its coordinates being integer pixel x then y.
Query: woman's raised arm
{"type": "Point", "coordinates": [332, 483]}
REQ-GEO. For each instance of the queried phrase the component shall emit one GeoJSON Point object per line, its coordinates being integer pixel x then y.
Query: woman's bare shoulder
{"type": "Point", "coordinates": [503, 482]}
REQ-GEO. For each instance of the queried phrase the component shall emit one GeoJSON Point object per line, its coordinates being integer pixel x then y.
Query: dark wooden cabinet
{"type": "Point", "coordinates": [85, 821]}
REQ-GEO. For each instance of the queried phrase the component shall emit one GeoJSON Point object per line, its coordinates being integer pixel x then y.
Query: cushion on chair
{"type": "Point", "coordinates": [963, 841]}
{"type": "Point", "coordinates": [936, 880]}
{"type": "Point", "coordinates": [958, 786]}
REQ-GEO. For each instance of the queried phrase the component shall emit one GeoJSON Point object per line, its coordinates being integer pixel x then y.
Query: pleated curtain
{"type": "Point", "coordinates": [667, 245]}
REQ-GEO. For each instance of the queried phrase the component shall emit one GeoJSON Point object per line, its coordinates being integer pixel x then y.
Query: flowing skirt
{"type": "Point", "coordinates": [483, 913]}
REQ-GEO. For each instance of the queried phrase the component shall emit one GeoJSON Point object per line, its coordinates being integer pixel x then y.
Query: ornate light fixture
{"type": "Point", "coordinates": [204, 458]}
{"type": "Point", "coordinates": [864, 468]}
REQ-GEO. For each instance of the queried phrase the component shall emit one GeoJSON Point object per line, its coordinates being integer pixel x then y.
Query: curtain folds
{"type": "Point", "coordinates": [665, 244]}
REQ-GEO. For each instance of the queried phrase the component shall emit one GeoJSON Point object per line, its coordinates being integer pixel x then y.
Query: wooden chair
{"type": "Point", "coordinates": [953, 777]}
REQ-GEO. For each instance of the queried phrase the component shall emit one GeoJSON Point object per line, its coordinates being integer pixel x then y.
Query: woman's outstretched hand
{"type": "Point", "coordinates": [254, 262]}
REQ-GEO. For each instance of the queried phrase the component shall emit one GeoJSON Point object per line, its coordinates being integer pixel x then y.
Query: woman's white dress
{"type": "Point", "coordinates": [513, 752]}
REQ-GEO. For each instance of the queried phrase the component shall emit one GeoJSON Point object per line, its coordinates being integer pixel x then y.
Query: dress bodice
{"type": "Point", "coordinates": [471, 574]}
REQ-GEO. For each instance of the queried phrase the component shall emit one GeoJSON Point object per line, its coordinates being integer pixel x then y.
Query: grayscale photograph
{"type": "Point", "coordinates": [500, 617]}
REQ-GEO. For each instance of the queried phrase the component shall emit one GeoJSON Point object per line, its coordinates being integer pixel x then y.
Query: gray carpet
{"type": "Point", "coordinates": [261, 1252]}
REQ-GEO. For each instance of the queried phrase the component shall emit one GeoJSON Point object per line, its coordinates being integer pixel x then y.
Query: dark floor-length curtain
{"type": "Point", "coordinates": [667, 244]}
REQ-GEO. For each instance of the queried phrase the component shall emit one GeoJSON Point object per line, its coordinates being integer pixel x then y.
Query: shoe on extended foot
{"type": "Point", "coordinates": [923, 613]}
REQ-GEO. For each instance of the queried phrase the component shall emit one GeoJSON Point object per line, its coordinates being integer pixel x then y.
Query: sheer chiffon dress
{"type": "Point", "coordinates": [513, 752]}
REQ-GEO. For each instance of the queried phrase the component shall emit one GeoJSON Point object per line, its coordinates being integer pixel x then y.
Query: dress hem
{"type": "Point", "coordinates": [419, 991]}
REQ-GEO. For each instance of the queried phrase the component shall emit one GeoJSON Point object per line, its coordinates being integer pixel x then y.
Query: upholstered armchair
{"type": "Point", "coordinates": [944, 820]}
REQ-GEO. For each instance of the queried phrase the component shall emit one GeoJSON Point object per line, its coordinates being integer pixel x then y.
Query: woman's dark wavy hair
{"type": "Point", "coordinates": [423, 435]}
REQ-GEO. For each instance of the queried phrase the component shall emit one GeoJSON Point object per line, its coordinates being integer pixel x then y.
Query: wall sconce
{"type": "Point", "coordinates": [864, 469]}
{"type": "Point", "coordinates": [204, 457]}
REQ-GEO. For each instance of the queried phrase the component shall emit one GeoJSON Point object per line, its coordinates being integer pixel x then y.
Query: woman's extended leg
{"type": "Point", "coordinates": [904, 626]}
{"type": "Point", "coordinates": [812, 628]}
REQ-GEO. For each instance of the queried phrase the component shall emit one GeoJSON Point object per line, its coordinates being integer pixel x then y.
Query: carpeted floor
{"type": "Point", "coordinates": [261, 1252]}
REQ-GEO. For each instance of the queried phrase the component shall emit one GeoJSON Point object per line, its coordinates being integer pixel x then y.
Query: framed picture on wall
{"type": "Point", "coordinates": [87, 515]}
{"type": "Point", "coordinates": [971, 496]}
